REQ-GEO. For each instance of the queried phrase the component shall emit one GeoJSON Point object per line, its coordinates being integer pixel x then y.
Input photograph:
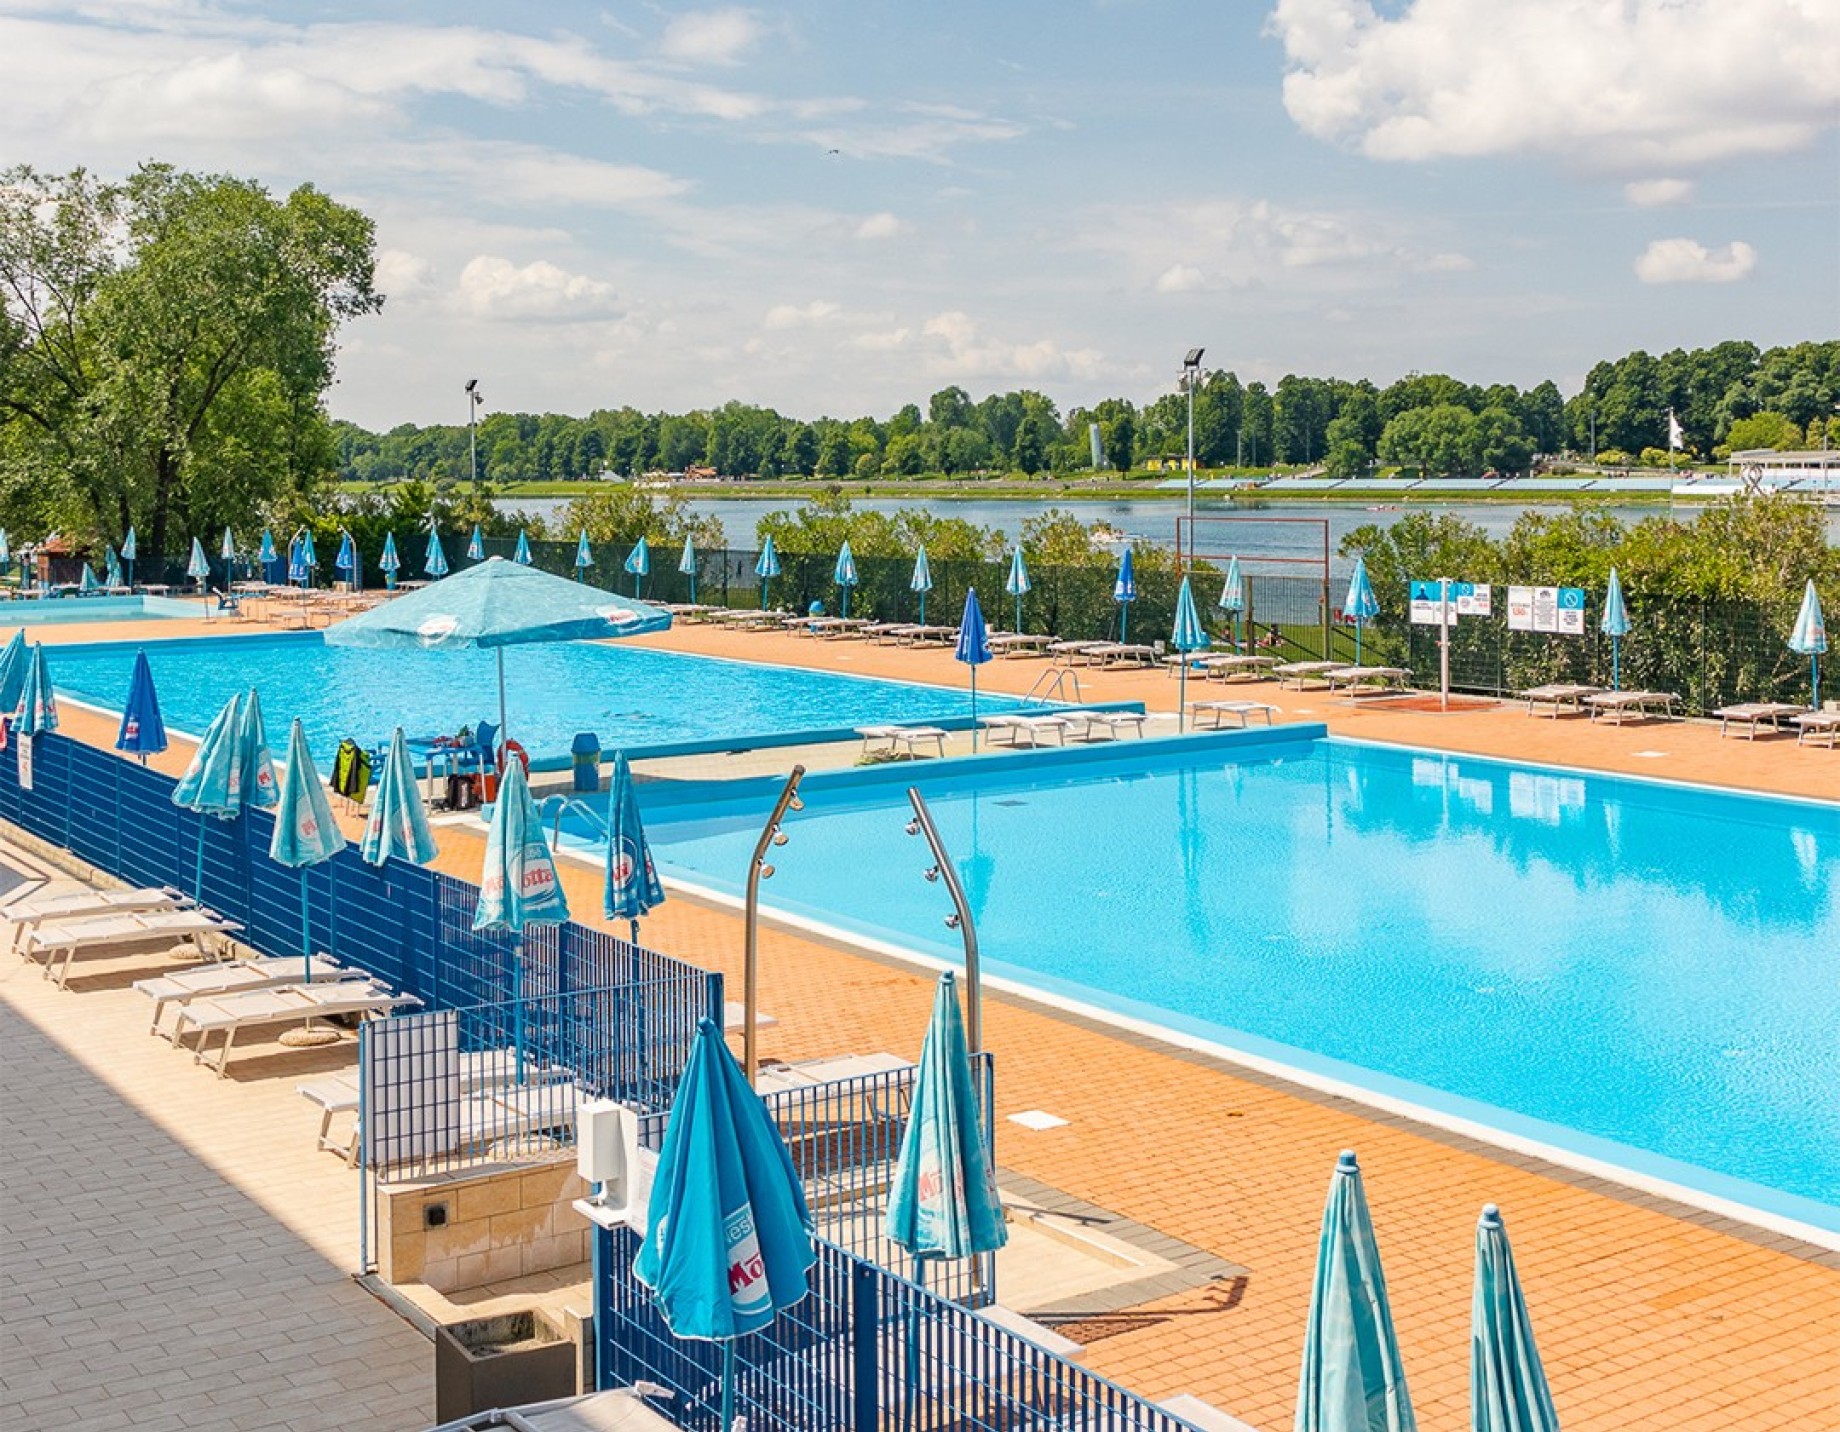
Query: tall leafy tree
{"type": "Point", "coordinates": [166, 345]}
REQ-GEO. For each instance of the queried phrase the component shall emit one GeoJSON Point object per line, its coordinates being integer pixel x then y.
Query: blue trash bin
{"type": "Point", "coordinates": [586, 753]}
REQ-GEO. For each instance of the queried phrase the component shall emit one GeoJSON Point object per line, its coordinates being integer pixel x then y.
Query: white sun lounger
{"type": "Point", "coordinates": [1618, 704]}
{"type": "Point", "coordinates": [1356, 679]}
{"type": "Point", "coordinates": [23, 916]}
{"type": "Point", "coordinates": [1220, 710]}
{"type": "Point", "coordinates": [231, 1014]}
{"type": "Point", "coordinates": [1230, 665]}
{"type": "Point", "coordinates": [1817, 723]}
{"type": "Point", "coordinates": [266, 972]}
{"type": "Point", "coordinates": [1558, 695]}
{"type": "Point", "coordinates": [908, 737]}
{"type": "Point", "coordinates": [1756, 713]}
{"type": "Point", "coordinates": [1032, 727]}
{"type": "Point", "coordinates": [59, 942]}
{"type": "Point", "coordinates": [1091, 725]}
{"type": "Point", "coordinates": [1299, 674]}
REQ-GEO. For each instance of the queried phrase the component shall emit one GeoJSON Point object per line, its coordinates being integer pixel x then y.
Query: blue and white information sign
{"type": "Point", "coordinates": [1550, 609]}
{"type": "Point", "coordinates": [1466, 599]}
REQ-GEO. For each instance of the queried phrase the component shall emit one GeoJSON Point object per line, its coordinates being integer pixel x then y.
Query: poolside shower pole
{"type": "Point", "coordinates": [959, 919]}
{"type": "Point", "coordinates": [1444, 643]}
{"type": "Point", "coordinates": [759, 870]}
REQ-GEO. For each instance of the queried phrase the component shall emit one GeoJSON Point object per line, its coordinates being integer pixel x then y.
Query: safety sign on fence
{"type": "Point", "coordinates": [1466, 599]}
{"type": "Point", "coordinates": [1554, 609]}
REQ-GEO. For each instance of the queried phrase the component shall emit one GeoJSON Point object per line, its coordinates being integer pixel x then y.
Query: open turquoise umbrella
{"type": "Point", "coordinates": [639, 563]}
{"type": "Point", "coordinates": [434, 559]}
{"type": "Point", "coordinates": [198, 569]}
{"type": "Point", "coordinates": [129, 551]}
{"type": "Point", "coordinates": [584, 556]}
{"type": "Point", "coordinates": [476, 546]}
{"type": "Point", "coordinates": [1124, 592]}
{"type": "Point", "coordinates": [522, 556]}
{"type": "Point", "coordinates": [1353, 1380]}
{"type": "Point", "coordinates": [686, 564]}
{"type": "Point", "coordinates": [973, 649]}
{"type": "Point", "coordinates": [398, 822]}
{"type": "Point", "coordinates": [922, 579]}
{"type": "Point", "coordinates": [630, 886]}
{"type": "Point", "coordinates": [86, 581]}
{"type": "Point", "coordinates": [255, 783]}
{"type": "Point", "coordinates": [1360, 603]}
{"type": "Point", "coordinates": [1188, 635]}
{"type": "Point", "coordinates": [1018, 585]}
{"type": "Point", "coordinates": [1615, 625]}
{"type": "Point", "coordinates": [142, 731]}
{"type": "Point", "coordinates": [844, 574]}
{"type": "Point", "coordinates": [728, 1232]}
{"type": "Point", "coordinates": [389, 563]}
{"type": "Point", "coordinates": [766, 567]}
{"type": "Point", "coordinates": [37, 701]}
{"type": "Point", "coordinates": [1233, 598]}
{"type": "Point", "coordinates": [15, 661]}
{"type": "Point", "coordinates": [212, 783]}
{"type": "Point", "coordinates": [494, 605]}
{"type": "Point", "coordinates": [305, 831]}
{"type": "Point", "coordinates": [1810, 637]}
{"type": "Point", "coordinates": [1507, 1384]}
{"type": "Point", "coordinates": [519, 886]}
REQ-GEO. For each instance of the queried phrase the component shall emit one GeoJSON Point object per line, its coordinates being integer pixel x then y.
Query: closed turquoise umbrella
{"type": "Point", "coordinates": [630, 886]}
{"type": "Point", "coordinates": [15, 661]}
{"type": "Point", "coordinates": [211, 784]}
{"type": "Point", "coordinates": [37, 701]}
{"type": "Point", "coordinates": [1124, 592]}
{"type": "Point", "coordinates": [6, 549]}
{"type": "Point", "coordinates": [1810, 637]}
{"type": "Point", "coordinates": [1018, 585]}
{"type": "Point", "coordinates": [389, 563]}
{"type": "Point", "coordinates": [766, 567]}
{"type": "Point", "coordinates": [142, 731]}
{"type": "Point", "coordinates": [844, 574]}
{"type": "Point", "coordinates": [1188, 636]}
{"type": "Point", "coordinates": [728, 1231]}
{"type": "Point", "coordinates": [973, 649]}
{"type": "Point", "coordinates": [86, 582]}
{"type": "Point", "coordinates": [255, 767]}
{"type": "Point", "coordinates": [584, 556]}
{"type": "Point", "coordinates": [226, 549]}
{"type": "Point", "coordinates": [922, 579]}
{"type": "Point", "coordinates": [129, 551]}
{"type": "Point", "coordinates": [686, 564]}
{"type": "Point", "coordinates": [518, 887]}
{"type": "Point", "coordinates": [1353, 1380]}
{"type": "Point", "coordinates": [1615, 625]}
{"type": "Point", "coordinates": [398, 823]}
{"type": "Point", "coordinates": [494, 605]}
{"type": "Point", "coordinates": [639, 563]}
{"type": "Point", "coordinates": [1360, 603]}
{"type": "Point", "coordinates": [1507, 1384]}
{"type": "Point", "coordinates": [112, 576]}
{"type": "Point", "coordinates": [198, 568]}
{"type": "Point", "coordinates": [309, 557]}
{"type": "Point", "coordinates": [267, 556]}
{"type": "Point", "coordinates": [434, 559]}
{"type": "Point", "coordinates": [522, 556]}
{"type": "Point", "coordinates": [476, 546]}
{"type": "Point", "coordinates": [1233, 598]}
{"type": "Point", "coordinates": [305, 831]}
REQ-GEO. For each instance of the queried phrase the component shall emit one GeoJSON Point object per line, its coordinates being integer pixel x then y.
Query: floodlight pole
{"type": "Point", "coordinates": [759, 870]}
{"type": "Point", "coordinates": [959, 919]}
{"type": "Point", "coordinates": [1444, 643]}
{"type": "Point", "coordinates": [473, 400]}
{"type": "Point", "coordinates": [1191, 370]}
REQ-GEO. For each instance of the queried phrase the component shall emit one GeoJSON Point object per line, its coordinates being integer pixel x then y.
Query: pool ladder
{"type": "Point", "coordinates": [553, 808]}
{"type": "Point", "coordinates": [1052, 686]}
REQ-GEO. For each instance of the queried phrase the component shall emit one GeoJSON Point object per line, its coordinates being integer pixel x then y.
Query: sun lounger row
{"type": "Point", "coordinates": [24, 916]}
{"type": "Point", "coordinates": [58, 944]}
{"type": "Point", "coordinates": [279, 1006]}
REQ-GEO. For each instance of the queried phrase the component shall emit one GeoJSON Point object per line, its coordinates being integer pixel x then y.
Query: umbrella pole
{"type": "Point", "coordinates": [923, 609]}
{"type": "Point", "coordinates": [911, 1403]}
{"type": "Point", "coordinates": [517, 1005]}
{"type": "Point", "coordinates": [974, 723]}
{"type": "Point", "coordinates": [1182, 694]}
{"type": "Point", "coordinates": [503, 734]}
{"type": "Point", "coordinates": [198, 882]}
{"type": "Point", "coordinates": [1357, 641]}
{"type": "Point", "coordinates": [728, 1385]}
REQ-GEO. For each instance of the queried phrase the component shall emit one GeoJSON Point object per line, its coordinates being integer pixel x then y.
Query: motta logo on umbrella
{"type": "Point", "coordinates": [437, 629]}
{"type": "Point", "coordinates": [626, 864]}
{"type": "Point", "coordinates": [307, 827]}
{"type": "Point", "coordinates": [618, 616]}
{"type": "Point", "coordinates": [747, 1270]}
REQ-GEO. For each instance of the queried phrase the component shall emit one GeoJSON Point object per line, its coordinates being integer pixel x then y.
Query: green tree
{"type": "Point", "coordinates": [1764, 430]}
{"type": "Point", "coordinates": [166, 343]}
{"type": "Point", "coordinates": [1442, 441]}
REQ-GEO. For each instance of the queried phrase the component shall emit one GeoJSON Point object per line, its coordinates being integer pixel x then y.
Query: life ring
{"type": "Point", "coordinates": [510, 749]}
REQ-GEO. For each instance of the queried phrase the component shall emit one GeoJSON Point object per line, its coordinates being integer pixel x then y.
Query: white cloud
{"type": "Point", "coordinates": [1658, 193]}
{"type": "Point", "coordinates": [1604, 84]}
{"type": "Point", "coordinates": [1446, 263]}
{"type": "Point", "coordinates": [967, 354]}
{"type": "Point", "coordinates": [710, 37]}
{"type": "Point", "coordinates": [495, 288]}
{"type": "Point", "coordinates": [883, 342]}
{"type": "Point", "coordinates": [1180, 278]}
{"type": "Point", "coordinates": [401, 274]}
{"type": "Point", "coordinates": [879, 226]}
{"type": "Point", "coordinates": [1688, 261]}
{"type": "Point", "coordinates": [786, 315]}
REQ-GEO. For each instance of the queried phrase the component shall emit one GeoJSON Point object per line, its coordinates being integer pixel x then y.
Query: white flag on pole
{"type": "Point", "coordinates": [1676, 439]}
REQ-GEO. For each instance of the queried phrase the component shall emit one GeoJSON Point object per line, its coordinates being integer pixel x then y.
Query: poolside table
{"type": "Point", "coordinates": [1558, 695]}
{"type": "Point", "coordinates": [1618, 704]}
{"type": "Point", "coordinates": [1756, 713]}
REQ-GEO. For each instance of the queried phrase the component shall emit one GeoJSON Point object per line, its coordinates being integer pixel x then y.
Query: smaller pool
{"type": "Point", "coordinates": [43, 611]}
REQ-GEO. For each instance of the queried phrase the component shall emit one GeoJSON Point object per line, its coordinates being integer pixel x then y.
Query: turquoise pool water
{"type": "Point", "coordinates": [628, 696]}
{"type": "Point", "coordinates": [57, 611]}
{"type": "Point", "coordinates": [1641, 972]}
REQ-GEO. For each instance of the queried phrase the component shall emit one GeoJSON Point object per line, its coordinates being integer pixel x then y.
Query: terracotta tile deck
{"type": "Point", "coordinates": [1649, 1316]}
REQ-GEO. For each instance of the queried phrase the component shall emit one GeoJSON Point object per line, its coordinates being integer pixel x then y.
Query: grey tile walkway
{"type": "Point", "coordinates": [138, 1290]}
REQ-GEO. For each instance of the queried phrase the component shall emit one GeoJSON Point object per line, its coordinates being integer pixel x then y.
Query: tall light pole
{"type": "Point", "coordinates": [473, 399]}
{"type": "Point", "coordinates": [1191, 370]}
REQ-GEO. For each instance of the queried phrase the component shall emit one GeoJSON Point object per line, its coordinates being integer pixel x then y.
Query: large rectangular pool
{"type": "Point", "coordinates": [630, 697]}
{"type": "Point", "coordinates": [1637, 972]}
{"type": "Point", "coordinates": [61, 611]}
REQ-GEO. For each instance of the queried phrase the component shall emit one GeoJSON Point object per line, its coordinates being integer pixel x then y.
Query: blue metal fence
{"type": "Point", "coordinates": [866, 1351]}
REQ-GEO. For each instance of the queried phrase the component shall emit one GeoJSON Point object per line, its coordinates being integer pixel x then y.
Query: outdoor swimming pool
{"type": "Point", "coordinates": [629, 696]}
{"type": "Point", "coordinates": [39, 611]}
{"type": "Point", "coordinates": [1639, 972]}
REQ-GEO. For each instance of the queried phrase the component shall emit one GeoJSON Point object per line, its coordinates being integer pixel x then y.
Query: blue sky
{"type": "Point", "coordinates": [840, 207]}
